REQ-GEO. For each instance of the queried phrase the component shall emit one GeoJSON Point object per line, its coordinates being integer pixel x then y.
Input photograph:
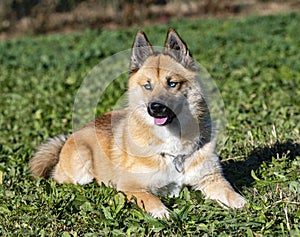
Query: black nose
{"type": "Point", "coordinates": [157, 109]}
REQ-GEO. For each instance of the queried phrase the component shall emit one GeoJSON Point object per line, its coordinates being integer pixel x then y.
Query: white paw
{"type": "Point", "coordinates": [161, 212]}
{"type": "Point", "coordinates": [237, 202]}
{"type": "Point", "coordinates": [232, 200]}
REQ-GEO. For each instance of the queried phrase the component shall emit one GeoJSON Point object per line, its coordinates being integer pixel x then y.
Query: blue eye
{"type": "Point", "coordinates": [172, 83]}
{"type": "Point", "coordinates": [148, 86]}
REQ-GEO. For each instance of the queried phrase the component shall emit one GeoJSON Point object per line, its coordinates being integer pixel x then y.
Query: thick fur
{"type": "Point", "coordinates": [46, 158]}
{"type": "Point", "coordinates": [138, 153]}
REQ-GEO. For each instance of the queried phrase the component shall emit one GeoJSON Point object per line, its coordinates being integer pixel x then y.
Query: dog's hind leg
{"type": "Point", "coordinates": [74, 165]}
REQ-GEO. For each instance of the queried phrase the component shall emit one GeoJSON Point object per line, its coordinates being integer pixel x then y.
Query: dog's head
{"type": "Point", "coordinates": [163, 86]}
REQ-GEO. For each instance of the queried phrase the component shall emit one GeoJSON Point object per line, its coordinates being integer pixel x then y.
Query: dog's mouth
{"type": "Point", "coordinates": [160, 121]}
{"type": "Point", "coordinates": [162, 114]}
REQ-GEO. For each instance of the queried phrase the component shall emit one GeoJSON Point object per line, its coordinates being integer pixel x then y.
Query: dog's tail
{"type": "Point", "coordinates": [47, 156]}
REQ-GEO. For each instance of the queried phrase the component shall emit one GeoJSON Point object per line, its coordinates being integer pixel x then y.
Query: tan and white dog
{"type": "Point", "coordinates": [162, 141]}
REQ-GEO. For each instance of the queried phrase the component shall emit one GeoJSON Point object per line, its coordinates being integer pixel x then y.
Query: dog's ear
{"type": "Point", "coordinates": [141, 50]}
{"type": "Point", "coordinates": [177, 49]}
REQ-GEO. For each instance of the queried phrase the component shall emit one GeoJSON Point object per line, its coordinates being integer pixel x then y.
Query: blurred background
{"type": "Point", "coordinates": [23, 17]}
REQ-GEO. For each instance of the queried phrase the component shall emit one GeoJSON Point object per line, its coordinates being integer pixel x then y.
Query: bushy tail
{"type": "Point", "coordinates": [47, 156]}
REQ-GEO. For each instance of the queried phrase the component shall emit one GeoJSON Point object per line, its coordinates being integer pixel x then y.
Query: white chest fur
{"type": "Point", "coordinates": [167, 181]}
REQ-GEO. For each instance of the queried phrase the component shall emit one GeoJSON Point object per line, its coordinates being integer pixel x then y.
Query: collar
{"type": "Point", "coordinates": [179, 160]}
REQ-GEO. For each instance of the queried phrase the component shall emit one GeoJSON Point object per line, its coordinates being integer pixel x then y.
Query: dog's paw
{"type": "Point", "coordinates": [231, 199]}
{"type": "Point", "coordinates": [161, 212]}
{"type": "Point", "coordinates": [225, 196]}
{"type": "Point", "coordinates": [235, 200]}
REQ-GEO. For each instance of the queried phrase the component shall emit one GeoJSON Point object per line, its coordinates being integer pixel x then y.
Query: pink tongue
{"type": "Point", "coordinates": [160, 121]}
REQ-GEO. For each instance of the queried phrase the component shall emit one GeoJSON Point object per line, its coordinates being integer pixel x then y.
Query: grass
{"type": "Point", "coordinates": [256, 64]}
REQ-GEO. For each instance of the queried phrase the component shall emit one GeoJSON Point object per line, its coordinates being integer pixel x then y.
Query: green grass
{"type": "Point", "coordinates": [255, 62]}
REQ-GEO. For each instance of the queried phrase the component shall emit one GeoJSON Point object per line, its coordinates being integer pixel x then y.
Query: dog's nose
{"type": "Point", "coordinates": [157, 108]}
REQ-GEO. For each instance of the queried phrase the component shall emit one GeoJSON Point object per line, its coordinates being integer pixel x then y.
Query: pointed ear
{"type": "Point", "coordinates": [141, 50]}
{"type": "Point", "coordinates": [177, 49]}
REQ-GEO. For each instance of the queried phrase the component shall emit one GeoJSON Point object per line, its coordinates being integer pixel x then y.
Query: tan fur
{"type": "Point", "coordinates": [127, 150]}
{"type": "Point", "coordinates": [46, 158]}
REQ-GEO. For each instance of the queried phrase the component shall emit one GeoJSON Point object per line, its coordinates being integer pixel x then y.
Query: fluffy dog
{"type": "Point", "coordinates": [162, 141]}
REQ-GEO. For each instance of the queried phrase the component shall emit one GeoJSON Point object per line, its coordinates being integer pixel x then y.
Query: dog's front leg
{"type": "Point", "coordinates": [150, 203]}
{"type": "Point", "coordinates": [216, 187]}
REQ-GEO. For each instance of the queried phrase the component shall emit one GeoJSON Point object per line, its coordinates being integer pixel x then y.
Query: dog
{"type": "Point", "coordinates": [163, 140]}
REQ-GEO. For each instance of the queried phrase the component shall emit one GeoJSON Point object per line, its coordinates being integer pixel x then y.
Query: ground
{"type": "Point", "coordinates": [90, 14]}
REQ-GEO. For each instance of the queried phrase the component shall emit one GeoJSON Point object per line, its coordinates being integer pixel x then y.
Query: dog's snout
{"type": "Point", "coordinates": [157, 108]}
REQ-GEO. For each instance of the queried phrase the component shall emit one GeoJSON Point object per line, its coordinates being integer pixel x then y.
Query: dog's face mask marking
{"type": "Point", "coordinates": [161, 78]}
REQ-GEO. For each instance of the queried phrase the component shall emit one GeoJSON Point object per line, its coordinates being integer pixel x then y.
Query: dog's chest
{"type": "Point", "coordinates": [171, 176]}
{"type": "Point", "coordinates": [167, 181]}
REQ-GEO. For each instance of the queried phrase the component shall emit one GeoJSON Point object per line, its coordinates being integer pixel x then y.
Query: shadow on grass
{"type": "Point", "coordinates": [239, 172]}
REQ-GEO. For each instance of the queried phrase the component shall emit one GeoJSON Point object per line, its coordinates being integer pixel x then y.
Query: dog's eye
{"type": "Point", "coordinates": [172, 84]}
{"type": "Point", "coordinates": [148, 86]}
